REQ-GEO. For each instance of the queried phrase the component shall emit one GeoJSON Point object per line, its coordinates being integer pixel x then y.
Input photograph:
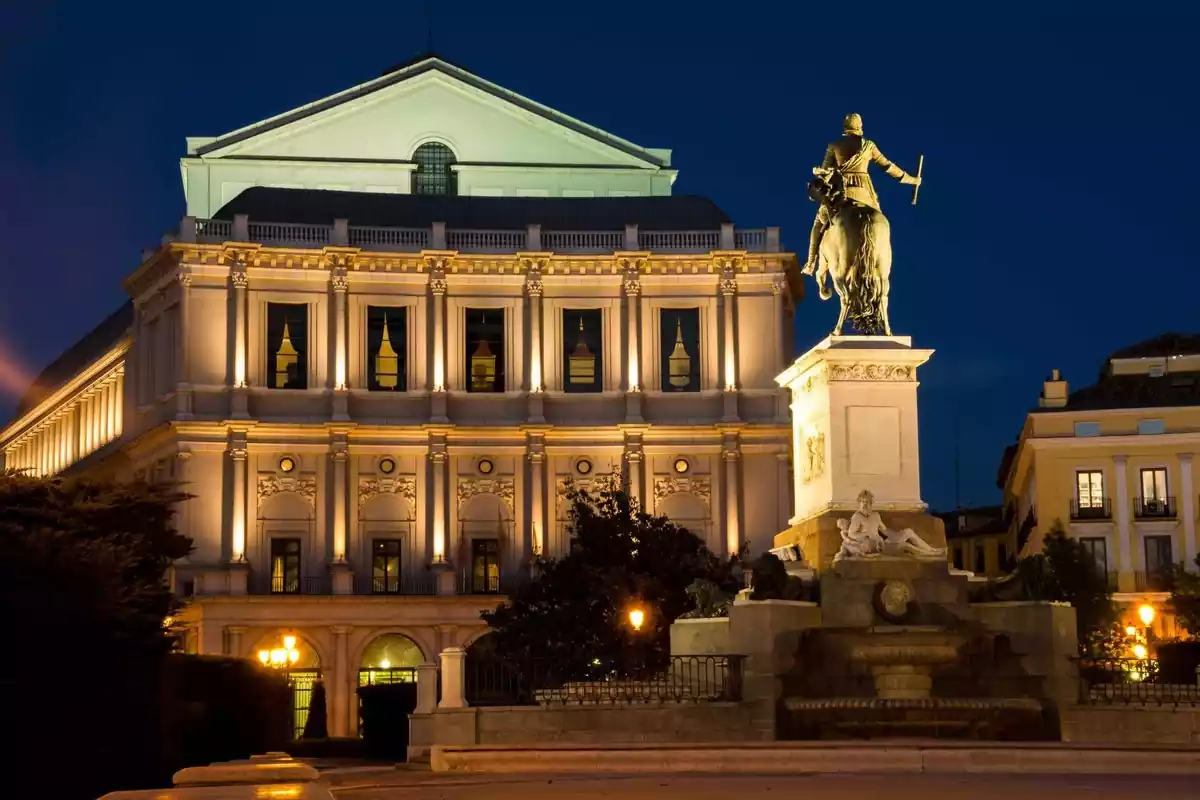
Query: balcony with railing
{"type": "Point", "coordinates": [1154, 508]}
{"type": "Point", "coordinates": [342, 233]}
{"type": "Point", "coordinates": [1152, 581]}
{"type": "Point", "coordinates": [1091, 511]}
{"type": "Point", "coordinates": [286, 584]}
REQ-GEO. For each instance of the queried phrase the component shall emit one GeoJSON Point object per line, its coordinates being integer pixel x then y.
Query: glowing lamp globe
{"type": "Point", "coordinates": [1146, 614]}
{"type": "Point", "coordinates": [637, 618]}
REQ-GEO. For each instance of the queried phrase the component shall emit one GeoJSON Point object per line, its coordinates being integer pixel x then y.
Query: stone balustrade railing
{"type": "Point", "coordinates": [439, 237]}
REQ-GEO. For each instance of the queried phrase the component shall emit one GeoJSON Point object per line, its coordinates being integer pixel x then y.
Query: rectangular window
{"type": "Point", "coordinates": [385, 566]}
{"type": "Point", "coordinates": [679, 341]}
{"type": "Point", "coordinates": [1097, 548]}
{"type": "Point", "coordinates": [1154, 484]}
{"type": "Point", "coordinates": [1158, 562]}
{"type": "Point", "coordinates": [1090, 500]}
{"type": "Point", "coordinates": [287, 346]}
{"type": "Point", "coordinates": [1087, 428]}
{"type": "Point", "coordinates": [485, 566]}
{"type": "Point", "coordinates": [285, 566]}
{"type": "Point", "coordinates": [387, 347]}
{"type": "Point", "coordinates": [583, 353]}
{"type": "Point", "coordinates": [1151, 426]}
{"type": "Point", "coordinates": [484, 352]}
{"type": "Point", "coordinates": [980, 559]}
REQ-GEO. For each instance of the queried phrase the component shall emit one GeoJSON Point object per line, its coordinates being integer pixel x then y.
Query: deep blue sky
{"type": "Point", "coordinates": [1056, 223]}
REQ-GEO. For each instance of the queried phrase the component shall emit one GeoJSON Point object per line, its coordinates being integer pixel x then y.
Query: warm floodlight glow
{"type": "Point", "coordinates": [264, 657]}
{"type": "Point", "coordinates": [385, 664]}
{"type": "Point", "coordinates": [637, 618]}
{"type": "Point", "coordinates": [1130, 630]}
{"type": "Point", "coordinates": [1139, 651]}
{"type": "Point", "coordinates": [289, 642]}
{"type": "Point", "coordinates": [1146, 614]}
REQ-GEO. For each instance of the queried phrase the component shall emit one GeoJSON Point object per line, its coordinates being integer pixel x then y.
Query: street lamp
{"type": "Point", "coordinates": [1146, 614]}
{"type": "Point", "coordinates": [280, 657]}
{"type": "Point", "coordinates": [637, 617]}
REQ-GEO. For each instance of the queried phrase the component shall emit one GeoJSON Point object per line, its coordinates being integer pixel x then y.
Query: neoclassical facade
{"type": "Point", "coordinates": [378, 396]}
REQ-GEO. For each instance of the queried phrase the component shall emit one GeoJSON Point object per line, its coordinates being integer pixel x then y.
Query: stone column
{"type": "Point", "coordinates": [537, 377]}
{"type": "Point", "coordinates": [341, 285]}
{"type": "Point", "coordinates": [437, 289]}
{"type": "Point", "coordinates": [183, 474]}
{"type": "Point", "coordinates": [1188, 509]}
{"type": "Point", "coordinates": [784, 488]}
{"type": "Point", "coordinates": [454, 678]}
{"type": "Point", "coordinates": [1125, 579]}
{"type": "Point", "coordinates": [119, 401]}
{"type": "Point", "coordinates": [237, 505]}
{"type": "Point", "coordinates": [341, 687]}
{"type": "Point", "coordinates": [427, 699]}
{"type": "Point", "coordinates": [728, 289]}
{"type": "Point", "coordinates": [783, 321]}
{"type": "Point", "coordinates": [731, 455]}
{"type": "Point", "coordinates": [437, 465]}
{"type": "Point", "coordinates": [537, 488]}
{"type": "Point", "coordinates": [633, 344]}
{"type": "Point", "coordinates": [234, 640]}
{"type": "Point", "coordinates": [239, 281]}
{"type": "Point", "coordinates": [338, 455]}
{"type": "Point", "coordinates": [183, 383]}
{"type": "Point", "coordinates": [633, 458]}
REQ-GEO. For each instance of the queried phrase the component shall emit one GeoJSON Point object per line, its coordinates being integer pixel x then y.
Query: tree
{"type": "Point", "coordinates": [573, 613]}
{"type": "Point", "coordinates": [1185, 597]}
{"type": "Point", "coordinates": [1066, 572]}
{"type": "Point", "coordinates": [82, 604]}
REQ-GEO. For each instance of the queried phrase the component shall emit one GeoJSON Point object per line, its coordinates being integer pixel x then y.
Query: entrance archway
{"type": "Point", "coordinates": [297, 660]}
{"type": "Point", "coordinates": [390, 658]}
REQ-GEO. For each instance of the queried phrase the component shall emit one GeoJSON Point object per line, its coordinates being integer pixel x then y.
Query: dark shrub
{"type": "Point", "coordinates": [316, 726]}
{"type": "Point", "coordinates": [385, 710]}
{"type": "Point", "coordinates": [1177, 662]}
{"type": "Point", "coordinates": [216, 708]}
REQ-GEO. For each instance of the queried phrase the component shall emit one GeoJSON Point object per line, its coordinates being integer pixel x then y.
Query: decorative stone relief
{"type": "Point", "coordinates": [594, 485]}
{"type": "Point", "coordinates": [501, 487]}
{"type": "Point", "coordinates": [665, 487]}
{"type": "Point", "coordinates": [813, 458]}
{"type": "Point", "coordinates": [370, 487]}
{"type": "Point", "coordinates": [871, 372]}
{"type": "Point", "coordinates": [269, 485]}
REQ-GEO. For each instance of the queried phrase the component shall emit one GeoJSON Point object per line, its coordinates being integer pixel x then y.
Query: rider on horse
{"type": "Point", "coordinates": [843, 177]}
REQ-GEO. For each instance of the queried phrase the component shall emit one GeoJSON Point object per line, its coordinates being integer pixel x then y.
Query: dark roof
{"type": "Point", "coordinates": [318, 207]}
{"type": "Point", "coordinates": [1167, 344]}
{"type": "Point", "coordinates": [1136, 391]}
{"type": "Point", "coordinates": [980, 520]}
{"type": "Point", "coordinates": [77, 357]}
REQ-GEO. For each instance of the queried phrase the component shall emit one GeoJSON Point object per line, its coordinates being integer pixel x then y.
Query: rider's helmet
{"type": "Point", "coordinates": [852, 124]}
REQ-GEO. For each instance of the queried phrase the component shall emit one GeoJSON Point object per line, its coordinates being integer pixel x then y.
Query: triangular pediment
{"type": "Point", "coordinates": [384, 120]}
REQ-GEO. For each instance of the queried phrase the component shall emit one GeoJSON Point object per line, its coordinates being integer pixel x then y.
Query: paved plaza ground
{"type": "Point", "coordinates": [427, 786]}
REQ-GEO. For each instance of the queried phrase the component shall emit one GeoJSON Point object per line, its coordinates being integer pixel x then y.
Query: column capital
{"type": "Point", "coordinates": [631, 284]}
{"type": "Point", "coordinates": [728, 283]}
{"type": "Point", "coordinates": [533, 284]}
{"type": "Point", "coordinates": [340, 630]}
{"type": "Point", "coordinates": [239, 279]}
{"type": "Point", "coordinates": [184, 276]}
{"type": "Point", "coordinates": [339, 281]}
{"type": "Point", "coordinates": [1185, 458]}
{"type": "Point", "coordinates": [1120, 460]}
{"type": "Point", "coordinates": [236, 629]}
{"type": "Point", "coordinates": [238, 453]}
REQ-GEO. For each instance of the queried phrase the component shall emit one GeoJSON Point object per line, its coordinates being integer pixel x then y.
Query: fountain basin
{"type": "Point", "coordinates": [902, 657]}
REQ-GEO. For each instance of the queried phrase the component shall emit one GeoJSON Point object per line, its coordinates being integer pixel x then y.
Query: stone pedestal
{"type": "Point", "coordinates": [854, 427]}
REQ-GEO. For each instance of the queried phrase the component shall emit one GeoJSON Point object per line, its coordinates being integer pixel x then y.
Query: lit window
{"type": "Point", "coordinates": [485, 350]}
{"type": "Point", "coordinates": [485, 566]}
{"type": "Point", "coordinates": [1089, 489]}
{"type": "Point", "coordinates": [1097, 548]}
{"type": "Point", "coordinates": [387, 333]}
{"type": "Point", "coordinates": [582, 351]}
{"type": "Point", "coordinates": [1151, 426]}
{"type": "Point", "coordinates": [287, 346]}
{"type": "Point", "coordinates": [680, 349]}
{"type": "Point", "coordinates": [1154, 484]}
{"type": "Point", "coordinates": [433, 174]}
{"type": "Point", "coordinates": [285, 566]}
{"type": "Point", "coordinates": [385, 566]}
{"type": "Point", "coordinates": [1087, 428]}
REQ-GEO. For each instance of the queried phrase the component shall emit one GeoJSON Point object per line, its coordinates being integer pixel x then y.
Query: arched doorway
{"type": "Point", "coordinates": [391, 658]}
{"type": "Point", "coordinates": [298, 661]}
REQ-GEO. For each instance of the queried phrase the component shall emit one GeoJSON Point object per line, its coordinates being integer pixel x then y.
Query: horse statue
{"type": "Point", "coordinates": [856, 250]}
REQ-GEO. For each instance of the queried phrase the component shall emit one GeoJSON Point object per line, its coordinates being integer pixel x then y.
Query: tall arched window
{"type": "Point", "coordinates": [433, 174]}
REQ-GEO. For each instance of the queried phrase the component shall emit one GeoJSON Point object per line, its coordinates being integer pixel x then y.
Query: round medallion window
{"type": "Point", "coordinates": [387, 466]}
{"type": "Point", "coordinates": [682, 465]}
{"type": "Point", "coordinates": [486, 466]}
{"type": "Point", "coordinates": [287, 464]}
{"type": "Point", "coordinates": [583, 466]}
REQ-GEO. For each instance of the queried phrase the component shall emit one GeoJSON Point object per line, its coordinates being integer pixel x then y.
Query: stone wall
{"type": "Point", "coordinates": [1131, 725]}
{"type": "Point", "coordinates": [585, 725]}
{"type": "Point", "coordinates": [1042, 636]}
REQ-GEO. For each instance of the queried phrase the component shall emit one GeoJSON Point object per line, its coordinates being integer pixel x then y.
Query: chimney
{"type": "Point", "coordinates": [1054, 391]}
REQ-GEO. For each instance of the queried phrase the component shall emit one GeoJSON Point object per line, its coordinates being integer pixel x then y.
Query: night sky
{"type": "Point", "coordinates": [1056, 224]}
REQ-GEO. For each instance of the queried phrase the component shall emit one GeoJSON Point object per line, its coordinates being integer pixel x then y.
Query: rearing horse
{"type": "Point", "coordinates": [857, 251]}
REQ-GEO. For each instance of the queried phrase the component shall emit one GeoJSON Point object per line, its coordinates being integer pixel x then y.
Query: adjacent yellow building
{"type": "Point", "coordinates": [1113, 464]}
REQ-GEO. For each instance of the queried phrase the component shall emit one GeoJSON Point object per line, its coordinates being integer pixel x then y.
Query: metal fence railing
{"type": "Point", "coordinates": [684, 679]}
{"type": "Point", "coordinates": [1128, 681]}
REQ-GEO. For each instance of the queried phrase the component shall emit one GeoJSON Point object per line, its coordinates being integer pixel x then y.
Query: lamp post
{"type": "Point", "coordinates": [281, 657]}
{"type": "Point", "coordinates": [637, 618]}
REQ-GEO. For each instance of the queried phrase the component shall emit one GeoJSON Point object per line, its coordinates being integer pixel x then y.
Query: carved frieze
{"type": "Point", "coordinates": [593, 485]}
{"type": "Point", "coordinates": [812, 460]}
{"type": "Point", "coordinates": [500, 487]}
{"type": "Point", "coordinates": [871, 372]}
{"type": "Point", "coordinates": [269, 485]}
{"type": "Point", "coordinates": [665, 487]}
{"type": "Point", "coordinates": [370, 487]}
